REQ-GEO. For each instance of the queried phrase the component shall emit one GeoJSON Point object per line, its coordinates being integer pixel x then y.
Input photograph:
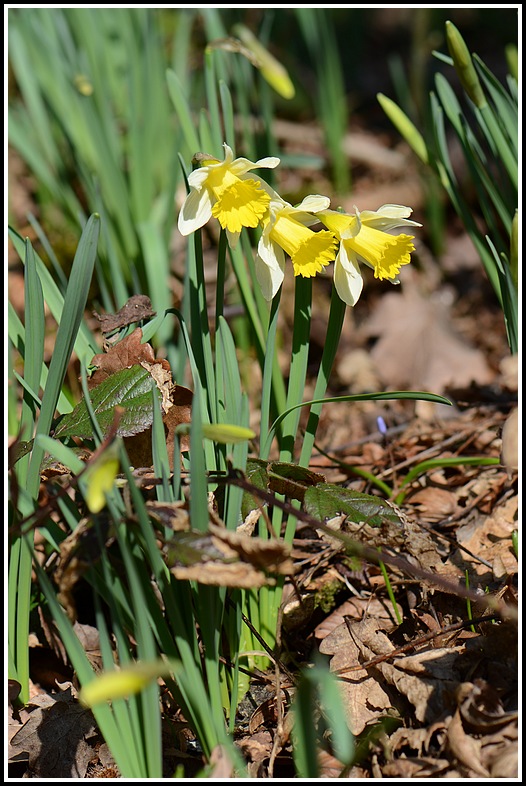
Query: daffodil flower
{"type": "Point", "coordinates": [363, 238]}
{"type": "Point", "coordinates": [225, 190]}
{"type": "Point", "coordinates": [286, 230]}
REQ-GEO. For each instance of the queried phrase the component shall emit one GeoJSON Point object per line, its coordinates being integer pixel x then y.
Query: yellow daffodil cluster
{"type": "Point", "coordinates": [228, 191]}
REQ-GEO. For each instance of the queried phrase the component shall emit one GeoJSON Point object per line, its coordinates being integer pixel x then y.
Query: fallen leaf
{"type": "Point", "coordinates": [481, 708]}
{"type": "Point", "coordinates": [364, 698]}
{"type": "Point", "coordinates": [428, 688]}
{"type": "Point", "coordinates": [417, 347]}
{"type": "Point", "coordinates": [136, 308]}
{"type": "Point", "coordinates": [126, 353]}
{"type": "Point", "coordinates": [55, 738]}
{"type": "Point", "coordinates": [358, 609]}
{"type": "Point", "coordinates": [489, 538]}
{"type": "Point", "coordinates": [464, 747]}
{"type": "Point", "coordinates": [227, 559]}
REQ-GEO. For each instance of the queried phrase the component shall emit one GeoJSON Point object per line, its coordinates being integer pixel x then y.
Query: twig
{"type": "Point", "coordinates": [413, 644]}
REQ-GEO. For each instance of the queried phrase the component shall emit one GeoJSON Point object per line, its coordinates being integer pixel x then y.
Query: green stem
{"type": "Point", "coordinates": [268, 376]}
{"type": "Point", "coordinates": [334, 329]}
{"type": "Point", "coordinates": [221, 274]}
{"type": "Point", "coordinates": [298, 366]}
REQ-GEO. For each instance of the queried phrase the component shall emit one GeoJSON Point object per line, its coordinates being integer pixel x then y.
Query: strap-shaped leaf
{"type": "Point", "coordinates": [129, 388]}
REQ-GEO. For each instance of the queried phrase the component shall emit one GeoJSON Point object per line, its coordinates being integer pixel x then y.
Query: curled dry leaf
{"type": "Point", "coordinates": [481, 707]}
{"type": "Point", "coordinates": [465, 747]}
{"type": "Point", "coordinates": [227, 559]}
{"type": "Point", "coordinates": [170, 514]}
{"type": "Point", "coordinates": [136, 308]}
{"type": "Point", "coordinates": [126, 353]}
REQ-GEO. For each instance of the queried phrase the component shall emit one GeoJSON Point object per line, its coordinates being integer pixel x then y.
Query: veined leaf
{"type": "Point", "coordinates": [326, 500]}
{"type": "Point", "coordinates": [129, 388]}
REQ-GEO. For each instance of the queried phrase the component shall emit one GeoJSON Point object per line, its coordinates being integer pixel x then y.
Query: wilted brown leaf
{"type": "Point", "coordinates": [136, 308]}
{"type": "Point", "coordinates": [465, 747]}
{"type": "Point", "coordinates": [227, 559]}
{"type": "Point", "coordinates": [218, 574]}
{"type": "Point", "coordinates": [357, 609]}
{"type": "Point", "coordinates": [170, 514]}
{"type": "Point", "coordinates": [425, 679]}
{"type": "Point", "coordinates": [55, 738]}
{"type": "Point", "coordinates": [490, 539]}
{"type": "Point", "coordinates": [417, 346]}
{"type": "Point", "coordinates": [364, 698]}
{"type": "Point", "coordinates": [126, 353]}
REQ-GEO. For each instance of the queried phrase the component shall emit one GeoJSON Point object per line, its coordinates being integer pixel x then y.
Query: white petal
{"type": "Point", "coordinates": [270, 267]}
{"type": "Point", "coordinates": [197, 177]}
{"type": "Point", "coordinates": [268, 278]}
{"type": "Point", "coordinates": [314, 203]}
{"type": "Point", "coordinates": [229, 153]}
{"type": "Point", "coordinates": [195, 212]}
{"type": "Point", "coordinates": [388, 217]}
{"type": "Point", "coordinates": [347, 278]}
{"type": "Point", "coordinates": [242, 165]}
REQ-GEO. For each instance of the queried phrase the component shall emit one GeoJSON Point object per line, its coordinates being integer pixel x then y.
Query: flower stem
{"type": "Point", "coordinates": [334, 329]}
{"type": "Point", "coordinates": [298, 365]}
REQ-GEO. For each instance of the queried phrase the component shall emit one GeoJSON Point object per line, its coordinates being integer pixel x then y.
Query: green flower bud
{"type": "Point", "coordinates": [464, 65]}
{"type": "Point", "coordinates": [404, 126]}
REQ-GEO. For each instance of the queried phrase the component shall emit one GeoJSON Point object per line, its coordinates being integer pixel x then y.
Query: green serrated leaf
{"type": "Point", "coordinates": [326, 500]}
{"type": "Point", "coordinates": [256, 474]}
{"type": "Point", "coordinates": [129, 388]}
{"type": "Point", "coordinates": [291, 479]}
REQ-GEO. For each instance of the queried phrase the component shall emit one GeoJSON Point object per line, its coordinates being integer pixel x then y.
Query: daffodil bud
{"type": "Point", "coordinates": [464, 65]}
{"type": "Point", "coordinates": [122, 683]}
{"type": "Point", "coordinates": [99, 478]}
{"type": "Point", "coordinates": [271, 69]}
{"type": "Point", "coordinates": [405, 126]}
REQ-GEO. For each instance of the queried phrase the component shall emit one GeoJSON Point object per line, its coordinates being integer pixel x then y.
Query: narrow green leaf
{"type": "Point", "coordinates": [391, 395]}
{"type": "Point", "coordinates": [332, 706]}
{"type": "Point", "coordinates": [177, 94]}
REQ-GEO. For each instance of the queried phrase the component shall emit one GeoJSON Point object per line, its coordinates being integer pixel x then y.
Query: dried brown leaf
{"type": "Point", "coordinates": [170, 514]}
{"type": "Point", "coordinates": [126, 353]}
{"type": "Point", "coordinates": [55, 738]}
{"type": "Point", "coordinates": [364, 698]}
{"type": "Point", "coordinates": [464, 747]}
{"type": "Point", "coordinates": [490, 539]}
{"type": "Point", "coordinates": [357, 609]}
{"type": "Point", "coordinates": [136, 308]}
{"type": "Point", "coordinates": [417, 346]}
{"type": "Point", "coordinates": [222, 574]}
{"type": "Point", "coordinates": [481, 708]}
{"type": "Point", "coordinates": [269, 555]}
